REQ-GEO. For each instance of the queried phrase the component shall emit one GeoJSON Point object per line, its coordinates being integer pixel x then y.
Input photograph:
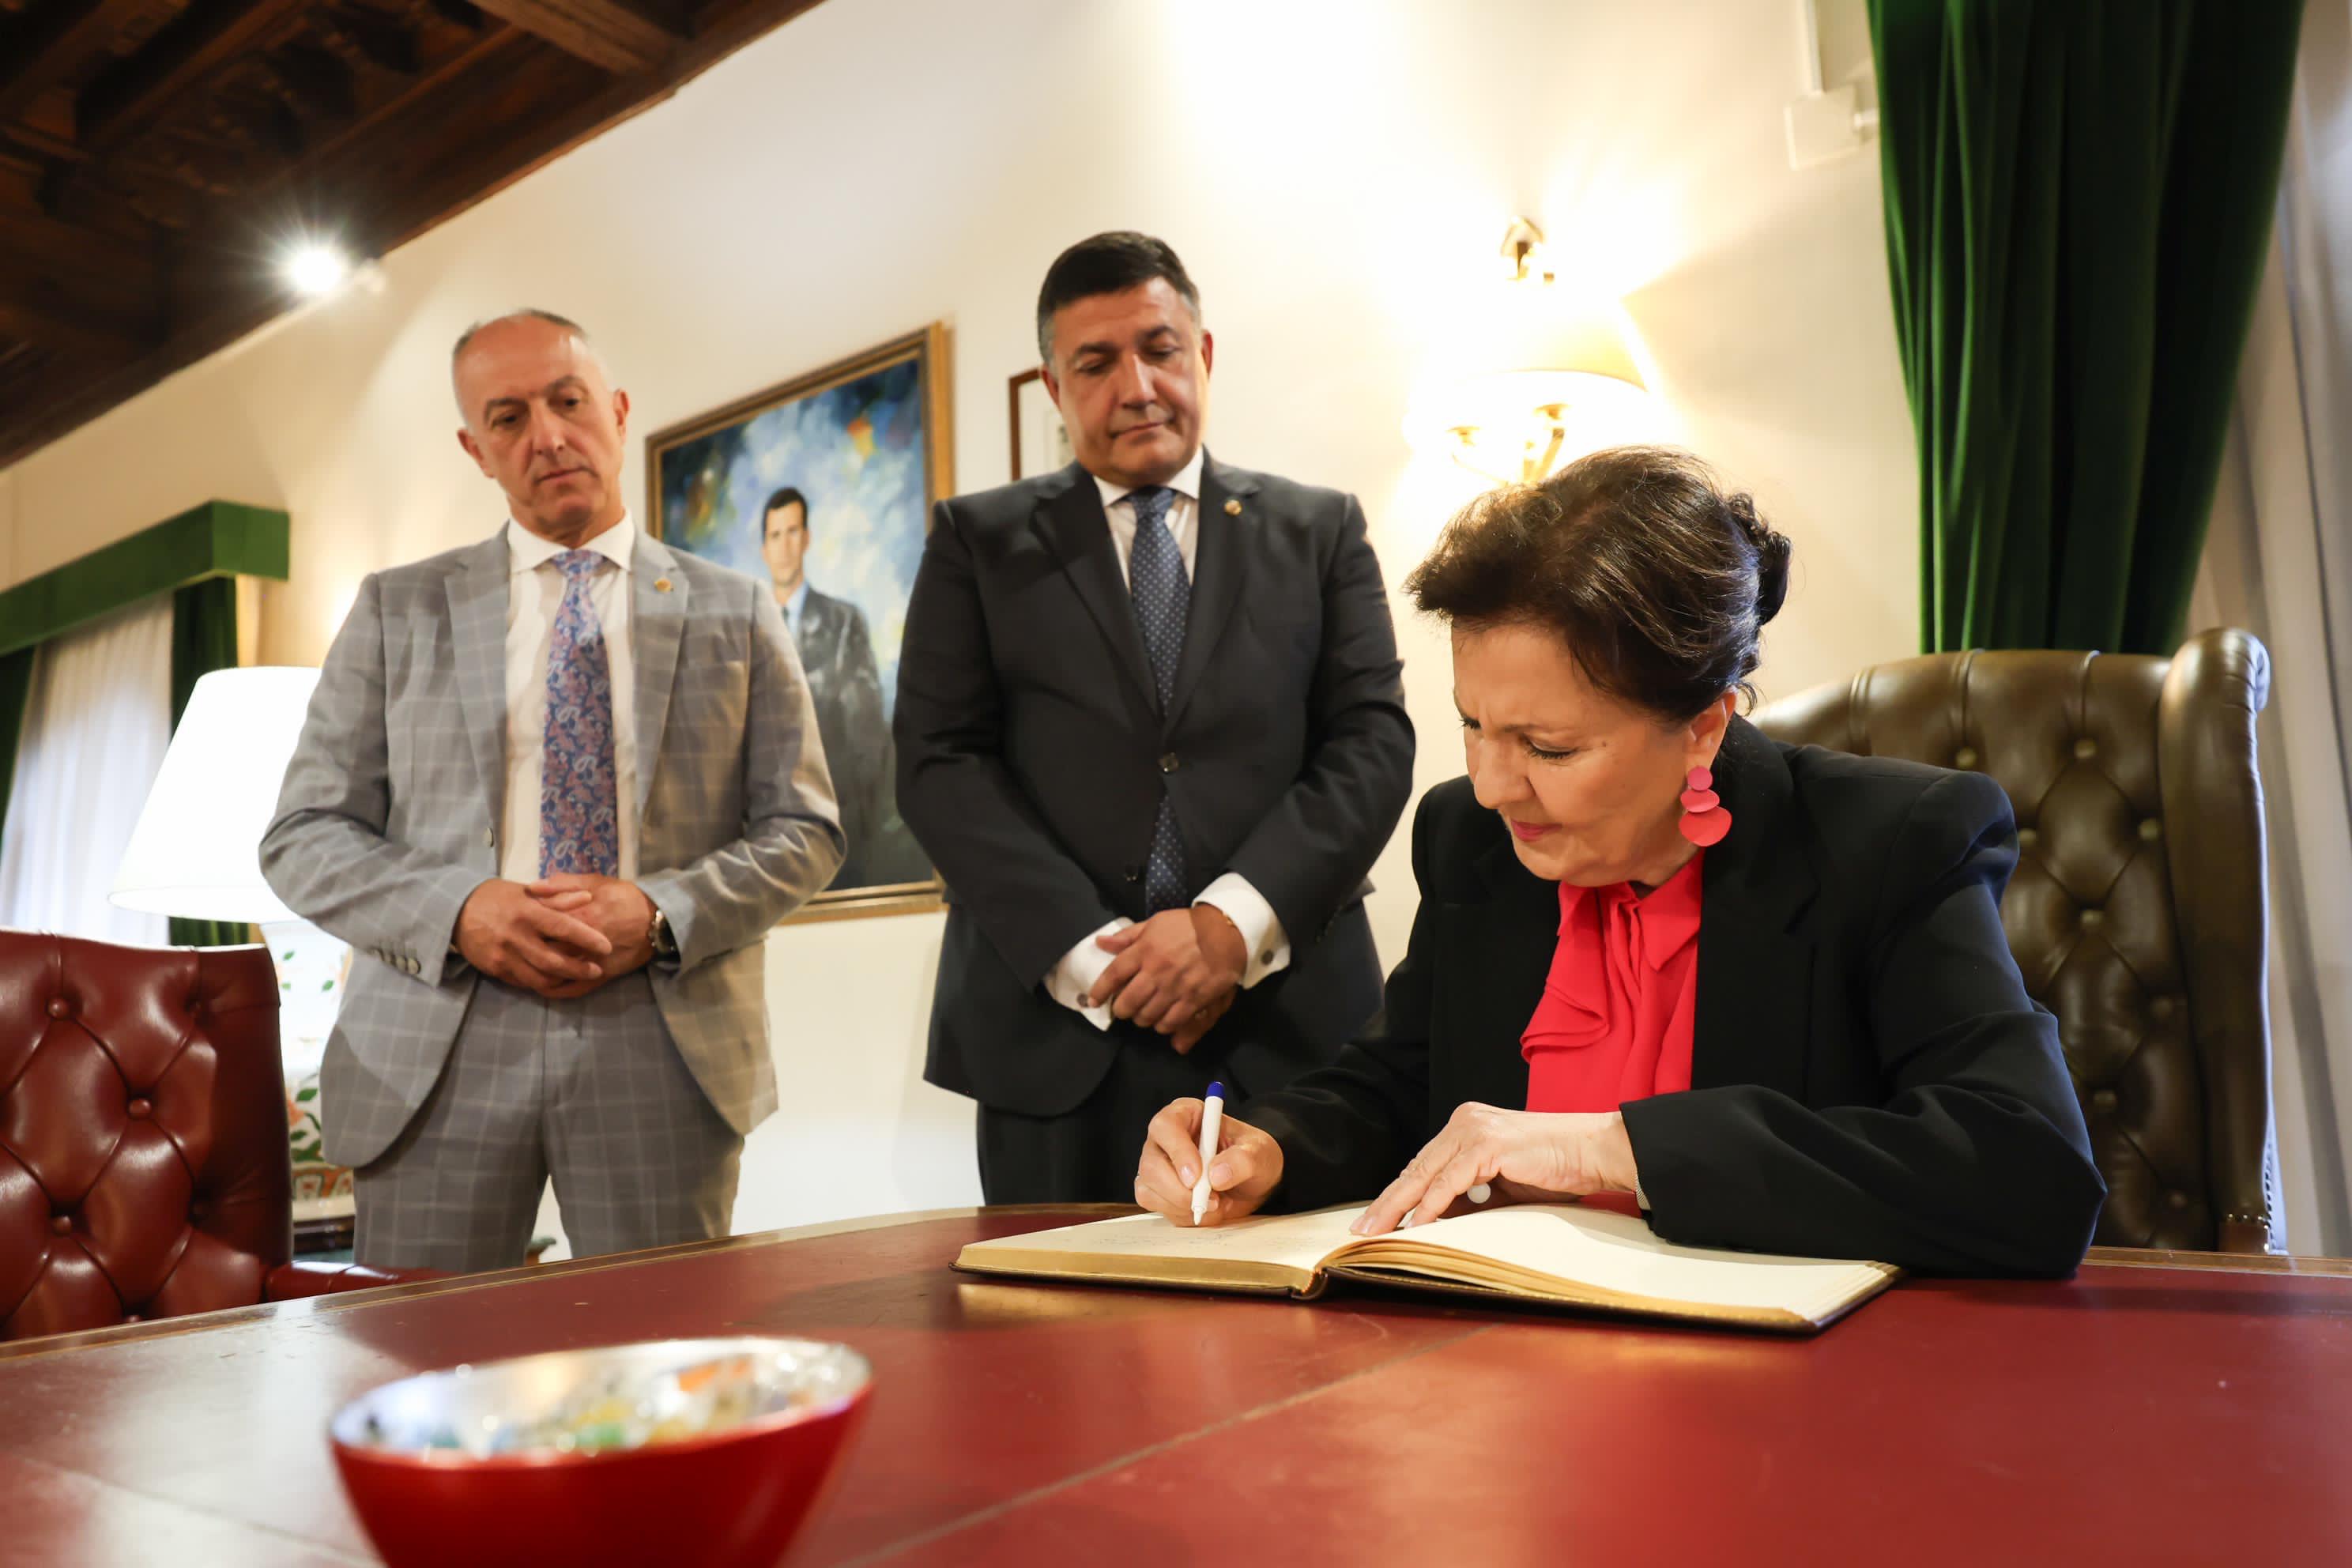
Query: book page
{"type": "Point", "coordinates": [1620, 1254]}
{"type": "Point", "coordinates": [1294, 1243]}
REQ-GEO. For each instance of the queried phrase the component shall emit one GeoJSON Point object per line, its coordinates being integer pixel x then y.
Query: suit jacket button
{"type": "Point", "coordinates": [1169, 764]}
{"type": "Point", "coordinates": [1135, 873]}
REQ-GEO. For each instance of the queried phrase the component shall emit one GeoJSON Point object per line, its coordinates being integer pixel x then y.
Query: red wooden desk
{"type": "Point", "coordinates": [2154, 1409]}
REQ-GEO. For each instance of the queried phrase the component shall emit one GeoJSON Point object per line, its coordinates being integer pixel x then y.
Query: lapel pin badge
{"type": "Point", "coordinates": [661, 585]}
{"type": "Point", "coordinates": [1232, 509]}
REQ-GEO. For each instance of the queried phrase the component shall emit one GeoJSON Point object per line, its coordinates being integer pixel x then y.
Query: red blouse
{"type": "Point", "coordinates": [1615, 1020]}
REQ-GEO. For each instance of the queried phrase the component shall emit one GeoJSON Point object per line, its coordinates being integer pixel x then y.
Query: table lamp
{"type": "Point", "coordinates": [196, 853]}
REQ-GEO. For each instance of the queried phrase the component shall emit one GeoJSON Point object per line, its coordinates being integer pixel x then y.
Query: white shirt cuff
{"type": "Point", "coordinates": [1261, 929]}
{"type": "Point", "coordinates": [1069, 981]}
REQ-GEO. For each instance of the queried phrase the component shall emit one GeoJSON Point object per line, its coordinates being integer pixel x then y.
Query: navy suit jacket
{"type": "Point", "coordinates": [1033, 756]}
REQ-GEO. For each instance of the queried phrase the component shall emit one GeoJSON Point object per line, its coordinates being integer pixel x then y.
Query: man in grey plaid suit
{"type": "Point", "coordinates": [554, 789]}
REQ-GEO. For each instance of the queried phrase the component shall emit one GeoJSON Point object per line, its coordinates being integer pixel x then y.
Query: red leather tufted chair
{"type": "Point", "coordinates": [2138, 911]}
{"type": "Point", "coordinates": [143, 1161]}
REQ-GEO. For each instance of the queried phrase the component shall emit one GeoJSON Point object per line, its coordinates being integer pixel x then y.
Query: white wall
{"type": "Point", "coordinates": [1337, 177]}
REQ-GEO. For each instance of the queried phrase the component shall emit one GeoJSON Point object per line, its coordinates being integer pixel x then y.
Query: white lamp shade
{"type": "Point", "coordinates": [1526, 359]}
{"type": "Point", "coordinates": [196, 852]}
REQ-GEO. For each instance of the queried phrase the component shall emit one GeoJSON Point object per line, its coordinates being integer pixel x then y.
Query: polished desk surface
{"type": "Point", "coordinates": [2157, 1408]}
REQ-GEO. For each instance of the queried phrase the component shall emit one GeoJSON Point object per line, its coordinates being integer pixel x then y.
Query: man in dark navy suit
{"type": "Point", "coordinates": [1150, 727]}
{"type": "Point", "coordinates": [838, 657]}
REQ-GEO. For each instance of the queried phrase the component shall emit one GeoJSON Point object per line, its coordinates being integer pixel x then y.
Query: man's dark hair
{"type": "Point", "coordinates": [1108, 264]}
{"type": "Point", "coordinates": [1657, 578]}
{"type": "Point", "coordinates": [783, 498]}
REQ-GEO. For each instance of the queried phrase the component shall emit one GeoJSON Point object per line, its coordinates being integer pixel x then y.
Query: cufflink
{"type": "Point", "coordinates": [1232, 509]}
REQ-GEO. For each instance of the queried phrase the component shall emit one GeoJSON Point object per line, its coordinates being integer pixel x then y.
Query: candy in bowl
{"type": "Point", "coordinates": [687, 1453]}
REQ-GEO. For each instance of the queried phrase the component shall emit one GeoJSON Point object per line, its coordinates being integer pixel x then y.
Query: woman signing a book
{"type": "Point", "coordinates": [1763, 988]}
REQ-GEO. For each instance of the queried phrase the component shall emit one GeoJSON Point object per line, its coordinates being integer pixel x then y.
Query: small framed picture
{"type": "Point", "coordinates": [823, 486]}
{"type": "Point", "coordinates": [1040, 442]}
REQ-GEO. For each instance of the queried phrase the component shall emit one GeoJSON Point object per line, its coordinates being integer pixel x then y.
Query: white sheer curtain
{"type": "Point", "coordinates": [2278, 562]}
{"type": "Point", "coordinates": [96, 728]}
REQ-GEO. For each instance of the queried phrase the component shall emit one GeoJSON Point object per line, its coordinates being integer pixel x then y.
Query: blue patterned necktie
{"type": "Point", "coordinates": [1162, 592]}
{"type": "Point", "coordinates": [579, 797]}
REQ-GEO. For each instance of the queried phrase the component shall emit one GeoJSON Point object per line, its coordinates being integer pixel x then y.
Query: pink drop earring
{"type": "Point", "coordinates": [1705, 822]}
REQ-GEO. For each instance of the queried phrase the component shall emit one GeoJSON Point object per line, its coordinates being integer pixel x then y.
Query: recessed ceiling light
{"type": "Point", "coordinates": [314, 268]}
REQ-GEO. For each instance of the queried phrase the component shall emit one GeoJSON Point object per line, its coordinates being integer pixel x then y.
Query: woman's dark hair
{"type": "Point", "coordinates": [1658, 581]}
{"type": "Point", "coordinates": [1108, 264]}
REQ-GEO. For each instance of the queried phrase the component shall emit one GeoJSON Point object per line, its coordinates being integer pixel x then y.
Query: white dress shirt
{"type": "Point", "coordinates": [792, 608]}
{"type": "Point", "coordinates": [1262, 934]}
{"type": "Point", "coordinates": [534, 594]}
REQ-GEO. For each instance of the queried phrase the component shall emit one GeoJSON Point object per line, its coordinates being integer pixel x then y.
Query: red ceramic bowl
{"type": "Point", "coordinates": [685, 1453]}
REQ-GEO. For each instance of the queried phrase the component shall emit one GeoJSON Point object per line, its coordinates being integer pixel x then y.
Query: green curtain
{"type": "Point", "coordinates": [204, 638]}
{"type": "Point", "coordinates": [2079, 199]}
{"type": "Point", "coordinates": [16, 691]}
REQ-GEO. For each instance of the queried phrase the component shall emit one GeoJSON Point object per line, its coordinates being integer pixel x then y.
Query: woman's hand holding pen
{"type": "Point", "coordinates": [1246, 1172]}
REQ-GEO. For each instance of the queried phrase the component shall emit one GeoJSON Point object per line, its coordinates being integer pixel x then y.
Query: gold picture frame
{"type": "Point", "coordinates": [863, 447]}
{"type": "Point", "coordinates": [1040, 444]}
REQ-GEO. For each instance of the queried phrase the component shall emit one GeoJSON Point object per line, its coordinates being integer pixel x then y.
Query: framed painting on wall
{"type": "Point", "coordinates": [822, 486]}
{"type": "Point", "coordinates": [1041, 442]}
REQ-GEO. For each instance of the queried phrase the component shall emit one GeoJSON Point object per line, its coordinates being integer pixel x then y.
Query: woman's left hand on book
{"type": "Point", "coordinates": [1524, 1155]}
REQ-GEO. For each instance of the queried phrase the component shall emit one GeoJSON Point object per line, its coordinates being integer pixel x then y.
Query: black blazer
{"type": "Point", "coordinates": [1033, 757]}
{"type": "Point", "coordinates": [1868, 1077]}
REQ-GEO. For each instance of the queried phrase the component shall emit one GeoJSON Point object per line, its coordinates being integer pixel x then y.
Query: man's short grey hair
{"type": "Point", "coordinates": [528, 313]}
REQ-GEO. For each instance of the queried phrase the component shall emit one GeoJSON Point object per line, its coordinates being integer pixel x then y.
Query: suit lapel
{"type": "Point", "coordinates": [1072, 525]}
{"type": "Point", "coordinates": [1507, 942]}
{"type": "Point", "coordinates": [1751, 965]}
{"type": "Point", "coordinates": [478, 589]}
{"type": "Point", "coordinates": [1219, 545]}
{"type": "Point", "coordinates": [658, 594]}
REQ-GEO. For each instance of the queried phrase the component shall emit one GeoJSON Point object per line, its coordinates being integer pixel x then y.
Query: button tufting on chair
{"type": "Point", "coordinates": [2139, 881]}
{"type": "Point", "coordinates": [144, 1158]}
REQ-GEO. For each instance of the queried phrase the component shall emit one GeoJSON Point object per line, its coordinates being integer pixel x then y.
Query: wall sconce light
{"type": "Point", "coordinates": [1551, 365]}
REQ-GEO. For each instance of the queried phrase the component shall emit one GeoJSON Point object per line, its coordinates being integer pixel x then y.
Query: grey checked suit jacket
{"type": "Point", "coordinates": [389, 818]}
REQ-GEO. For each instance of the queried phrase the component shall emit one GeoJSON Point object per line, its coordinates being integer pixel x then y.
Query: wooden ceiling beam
{"type": "Point", "coordinates": [79, 32]}
{"type": "Point", "coordinates": [63, 312]}
{"type": "Point", "coordinates": [38, 239]}
{"type": "Point", "coordinates": [610, 35]}
{"type": "Point", "coordinates": [128, 98]}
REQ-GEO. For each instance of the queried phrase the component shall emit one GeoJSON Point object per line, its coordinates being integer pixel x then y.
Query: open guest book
{"type": "Point", "coordinates": [1564, 1255]}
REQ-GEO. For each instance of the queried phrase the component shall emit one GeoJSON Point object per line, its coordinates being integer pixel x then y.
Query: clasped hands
{"type": "Point", "coordinates": [561, 936]}
{"type": "Point", "coordinates": [1523, 1157]}
{"type": "Point", "coordinates": [1177, 972]}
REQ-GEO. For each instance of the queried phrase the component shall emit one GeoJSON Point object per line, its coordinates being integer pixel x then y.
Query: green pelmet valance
{"type": "Point", "coordinates": [218, 539]}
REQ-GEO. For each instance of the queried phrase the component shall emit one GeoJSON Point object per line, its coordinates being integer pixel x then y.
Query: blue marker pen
{"type": "Point", "coordinates": [1212, 1120]}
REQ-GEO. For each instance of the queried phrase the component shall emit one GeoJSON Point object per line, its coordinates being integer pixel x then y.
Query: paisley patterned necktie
{"type": "Point", "coordinates": [1162, 592]}
{"type": "Point", "coordinates": [579, 799]}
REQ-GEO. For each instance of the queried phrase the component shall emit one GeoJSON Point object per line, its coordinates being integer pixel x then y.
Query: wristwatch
{"type": "Point", "coordinates": [665, 944]}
